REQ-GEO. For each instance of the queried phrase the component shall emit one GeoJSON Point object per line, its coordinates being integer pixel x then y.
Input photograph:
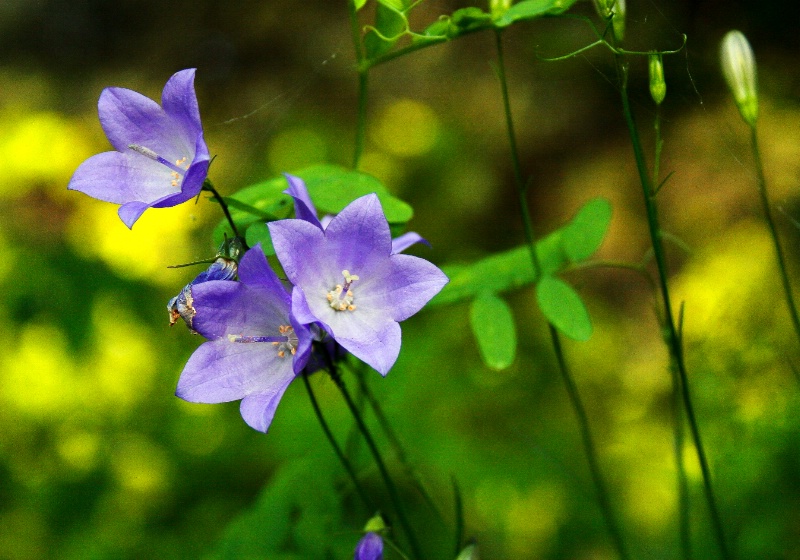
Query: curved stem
{"type": "Point", "coordinates": [672, 339]}
{"type": "Point", "coordinates": [338, 450]}
{"type": "Point", "coordinates": [208, 186]}
{"type": "Point", "coordinates": [376, 455]}
{"type": "Point", "coordinates": [773, 231]}
{"type": "Point", "coordinates": [572, 391]}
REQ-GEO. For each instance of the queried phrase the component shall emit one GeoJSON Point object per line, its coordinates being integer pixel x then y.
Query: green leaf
{"type": "Point", "coordinates": [531, 9]}
{"type": "Point", "coordinates": [331, 189]}
{"type": "Point", "coordinates": [359, 4]}
{"type": "Point", "coordinates": [397, 5]}
{"type": "Point", "coordinates": [585, 233]}
{"type": "Point", "coordinates": [564, 308]}
{"type": "Point", "coordinates": [493, 325]}
{"type": "Point", "coordinates": [259, 233]}
{"type": "Point", "coordinates": [390, 25]}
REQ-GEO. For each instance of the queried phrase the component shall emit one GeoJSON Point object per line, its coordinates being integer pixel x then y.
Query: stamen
{"type": "Point", "coordinates": [341, 296]}
{"type": "Point", "coordinates": [150, 154]}
{"type": "Point", "coordinates": [287, 341]}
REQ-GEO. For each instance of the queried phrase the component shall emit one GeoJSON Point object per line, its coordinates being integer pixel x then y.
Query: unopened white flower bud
{"type": "Point", "coordinates": [739, 69]}
{"type": "Point", "coordinates": [658, 86]}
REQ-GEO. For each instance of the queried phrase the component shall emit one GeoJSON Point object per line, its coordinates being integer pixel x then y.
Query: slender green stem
{"type": "Point", "coordinates": [376, 455]}
{"type": "Point", "coordinates": [572, 391]}
{"type": "Point", "coordinates": [363, 79]}
{"type": "Point", "coordinates": [208, 186]}
{"type": "Point", "coordinates": [394, 441]}
{"type": "Point", "coordinates": [762, 191]}
{"type": "Point", "coordinates": [677, 411]}
{"type": "Point", "coordinates": [338, 450]}
{"type": "Point", "coordinates": [588, 443]}
{"type": "Point", "coordinates": [672, 339]}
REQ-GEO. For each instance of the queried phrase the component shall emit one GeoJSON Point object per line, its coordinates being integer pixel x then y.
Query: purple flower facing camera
{"type": "Point", "coordinates": [160, 156]}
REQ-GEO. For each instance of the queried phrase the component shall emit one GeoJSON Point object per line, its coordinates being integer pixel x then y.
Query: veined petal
{"type": "Point", "coordinates": [303, 207]}
{"type": "Point", "coordinates": [359, 235]}
{"type": "Point", "coordinates": [232, 308]}
{"type": "Point", "coordinates": [180, 102]}
{"type": "Point", "coordinates": [222, 371]}
{"type": "Point", "coordinates": [411, 284]}
{"type": "Point", "coordinates": [121, 178]}
{"type": "Point", "coordinates": [131, 211]}
{"type": "Point", "coordinates": [300, 246]}
{"type": "Point", "coordinates": [258, 410]}
{"type": "Point", "coordinates": [378, 348]}
{"type": "Point", "coordinates": [254, 270]}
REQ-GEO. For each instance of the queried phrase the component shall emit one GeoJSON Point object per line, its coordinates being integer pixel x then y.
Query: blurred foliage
{"type": "Point", "coordinates": [99, 460]}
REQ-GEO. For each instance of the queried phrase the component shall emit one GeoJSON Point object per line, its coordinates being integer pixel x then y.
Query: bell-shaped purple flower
{"type": "Point", "coordinates": [347, 278]}
{"type": "Point", "coordinates": [160, 156]}
{"type": "Point", "coordinates": [370, 547]}
{"type": "Point", "coordinates": [256, 347]}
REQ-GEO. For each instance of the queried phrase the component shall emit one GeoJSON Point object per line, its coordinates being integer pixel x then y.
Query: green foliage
{"type": "Point", "coordinates": [574, 242]}
{"type": "Point", "coordinates": [531, 9]}
{"type": "Point", "coordinates": [330, 187]}
{"type": "Point", "coordinates": [564, 308]}
{"type": "Point", "coordinates": [390, 25]}
{"type": "Point", "coordinates": [297, 516]}
{"type": "Point", "coordinates": [493, 325]}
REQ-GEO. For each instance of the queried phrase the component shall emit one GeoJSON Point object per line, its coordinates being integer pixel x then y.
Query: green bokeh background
{"type": "Point", "coordinates": [99, 460]}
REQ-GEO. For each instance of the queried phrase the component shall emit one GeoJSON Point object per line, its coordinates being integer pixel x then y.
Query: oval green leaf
{"type": "Point", "coordinates": [531, 9]}
{"type": "Point", "coordinates": [564, 308]}
{"type": "Point", "coordinates": [493, 325]}
{"type": "Point", "coordinates": [585, 233]}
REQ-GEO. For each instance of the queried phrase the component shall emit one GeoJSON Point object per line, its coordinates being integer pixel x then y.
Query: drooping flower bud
{"type": "Point", "coordinates": [603, 7]}
{"type": "Point", "coordinates": [739, 69]}
{"type": "Point", "coordinates": [370, 547]}
{"type": "Point", "coordinates": [499, 7]}
{"type": "Point", "coordinates": [658, 86]}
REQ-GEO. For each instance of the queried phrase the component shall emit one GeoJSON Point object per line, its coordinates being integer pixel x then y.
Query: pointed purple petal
{"type": "Point", "coordinates": [403, 242]}
{"type": "Point", "coordinates": [180, 102]}
{"type": "Point", "coordinates": [378, 348]}
{"type": "Point", "coordinates": [259, 410]}
{"type": "Point", "coordinates": [360, 234]}
{"type": "Point", "coordinates": [131, 212]}
{"type": "Point", "coordinates": [296, 243]}
{"type": "Point", "coordinates": [254, 270]}
{"type": "Point", "coordinates": [411, 283]}
{"type": "Point", "coordinates": [222, 371]}
{"type": "Point", "coordinates": [303, 207]}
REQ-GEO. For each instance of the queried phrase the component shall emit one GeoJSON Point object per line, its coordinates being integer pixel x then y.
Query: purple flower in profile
{"type": "Point", "coordinates": [370, 547]}
{"type": "Point", "coordinates": [347, 278]}
{"type": "Point", "coordinates": [256, 347]}
{"type": "Point", "coordinates": [160, 156]}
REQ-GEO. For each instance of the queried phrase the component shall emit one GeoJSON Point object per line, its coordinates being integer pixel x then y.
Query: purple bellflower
{"type": "Point", "coordinates": [160, 156]}
{"type": "Point", "coordinates": [348, 279]}
{"type": "Point", "coordinates": [255, 347]}
{"type": "Point", "coordinates": [370, 547]}
{"type": "Point", "coordinates": [223, 268]}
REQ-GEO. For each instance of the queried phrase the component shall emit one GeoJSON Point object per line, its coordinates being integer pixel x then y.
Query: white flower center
{"type": "Point", "coordinates": [177, 168]}
{"type": "Point", "coordinates": [340, 298]}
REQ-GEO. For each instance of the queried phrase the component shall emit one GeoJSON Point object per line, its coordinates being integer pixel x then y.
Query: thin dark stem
{"type": "Point", "coordinates": [363, 79]}
{"type": "Point", "coordinates": [588, 443]}
{"type": "Point", "coordinates": [376, 455]}
{"type": "Point", "coordinates": [672, 339]}
{"type": "Point", "coordinates": [338, 450]}
{"type": "Point", "coordinates": [575, 400]}
{"type": "Point", "coordinates": [208, 186]}
{"type": "Point", "coordinates": [762, 191]}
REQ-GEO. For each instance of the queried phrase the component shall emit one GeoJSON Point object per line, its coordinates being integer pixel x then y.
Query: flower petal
{"type": "Point", "coordinates": [403, 242]}
{"type": "Point", "coordinates": [232, 308]}
{"type": "Point", "coordinates": [258, 410]}
{"type": "Point", "coordinates": [377, 348]}
{"type": "Point", "coordinates": [254, 270]}
{"type": "Point", "coordinates": [359, 235]}
{"type": "Point", "coordinates": [222, 371]}
{"type": "Point", "coordinates": [411, 283]}
{"type": "Point", "coordinates": [131, 211]}
{"type": "Point", "coordinates": [180, 102]}
{"type": "Point", "coordinates": [299, 246]}
{"type": "Point", "coordinates": [303, 207]}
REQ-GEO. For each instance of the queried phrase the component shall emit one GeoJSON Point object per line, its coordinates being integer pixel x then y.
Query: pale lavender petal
{"type": "Point", "coordinates": [128, 117]}
{"type": "Point", "coordinates": [411, 284]}
{"type": "Point", "coordinates": [222, 371]}
{"type": "Point", "coordinates": [403, 242]}
{"type": "Point", "coordinates": [300, 246]}
{"type": "Point", "coordinates": [300, 310]}
{"type": "Point", "coordinates": [131, 211]}
{"type": "Point", "coordinates": [120, 178]}
{"type": "Point", "coordinates": [360, 235]}
{"type": "Point", "coordinates": [303, 207]}
{"type": "Point", "coordinates": [304, 340]}
{"type": "Point", "coordinates": [377, 348]}
{"type": "Point", "coordinates": [180, 102]}
{"type": "Point", "coordinates": [326, 220]}
{"type": "Point", "coordinates": [258, 410]}
{"type": "Point", "coordinates": [254, 270]}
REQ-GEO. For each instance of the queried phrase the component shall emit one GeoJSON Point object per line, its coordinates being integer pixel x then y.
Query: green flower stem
{"type": "Point", "coordinates": [682, 481]}
{"type": "Point", "coordinates": [572, 391]}
{"type": "Point", "coordinates": [394, 441]}
{"type": "Point", "coordinates": [363, 82]}
{"type": "Point", "coordinates": [762, 191]}
{"type": "Point", "coordinates": [673, 341]}
{"type": "Point", "coordinates": [209, 186]}
{"type": "Point", "coordinates": [376, 455]}
{"type": "Point", "coordinates": [338, 450]}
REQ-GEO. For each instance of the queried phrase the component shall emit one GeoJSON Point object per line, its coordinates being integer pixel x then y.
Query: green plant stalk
{"type": "Point", "coordinates": [682, 482]}
{"type": "Point", "coordinates": [376, 455]}
{"type": "Point", "coordinates": [363, 83]}
{"type": "Point", "coordinates": [762, 192]}
{"type": "Point", "coordinates": [673, 342]}
{"type": "Point", "coordinates": [338, 450]}
{"type": "Point", "coordinates": [572, 390]}
{"type": "Point", "coordinates": [209, 186]}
